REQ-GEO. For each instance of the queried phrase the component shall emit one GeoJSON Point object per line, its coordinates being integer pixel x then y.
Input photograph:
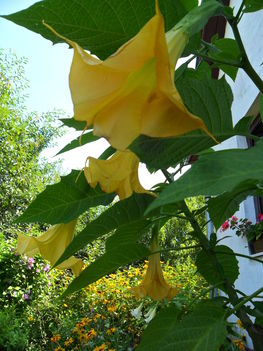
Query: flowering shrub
{"type": "Point", "coordinates": [22, 278]}
{"type": "Point", "coordinates": [115, 319]}
{"type": "Point", "coordinates": [244, 228]}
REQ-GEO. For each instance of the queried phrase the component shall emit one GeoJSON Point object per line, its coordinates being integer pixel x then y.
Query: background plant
{"type": "Point", "coordinates": [136, 216]}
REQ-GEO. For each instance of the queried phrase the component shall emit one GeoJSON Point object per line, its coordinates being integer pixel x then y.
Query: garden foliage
{"type": "Point", "coordinates": [129, 94]}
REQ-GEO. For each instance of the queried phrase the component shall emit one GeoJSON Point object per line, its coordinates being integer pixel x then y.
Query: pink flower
{"type": "Point", "coordinates": [46, 268]}
{"type": "Point", "coordinates": [224, 226]}
{"type": "Point", "coordinates": [37, 270]}
{"type": "Point", "coordinates": [30, 262]}
{"type": "Point", "coordinates": [260, 217]}
{"type": "Point", "coordinates": [234, 219]}
{"type": "Point", "coordinates": [26, 297]}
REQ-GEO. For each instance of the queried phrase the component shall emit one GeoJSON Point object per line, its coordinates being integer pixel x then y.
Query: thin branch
{"type": "Point", "coordinates": [244, 301]}
{"type": "Point", "coordinates": [233, 63]}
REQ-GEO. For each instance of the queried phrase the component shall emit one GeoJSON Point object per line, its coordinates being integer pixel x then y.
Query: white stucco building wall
{"type": "Point", "coordinates": [246, 102]}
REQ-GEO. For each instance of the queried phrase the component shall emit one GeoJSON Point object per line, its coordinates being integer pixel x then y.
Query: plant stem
{"type": "Point", "coordinates": [245, 300]}
{"type": "Point", "coordinates": [246, 65]}
{"type": "Point", "coordinates": [233, 63]}
{"type": "Point", "coordinates": [239, 11]}
{"type": "Point", "coordinates": [255, 332]}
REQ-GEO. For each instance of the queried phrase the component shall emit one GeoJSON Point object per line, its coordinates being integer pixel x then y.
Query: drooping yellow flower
{"type": "Point", "coordinates": [51, 246]}
{"type": "Point", "coordinates": [118, 174]}
{"type": "Point", "coordinates": [154, 284]}
{"type": "Point", "coordinates": [132, 92]}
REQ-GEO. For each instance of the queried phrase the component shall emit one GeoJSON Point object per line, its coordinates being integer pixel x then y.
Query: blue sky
{"type": "Point", "coordinates": [47, 71]}
{"type": "Point", "coordinates": [48, 65]}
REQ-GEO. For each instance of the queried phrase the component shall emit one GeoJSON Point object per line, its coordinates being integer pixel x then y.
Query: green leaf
{"type": "Point", "coordinates": [226, 49]}
{"type": "Point", "coordinates": [261, 106]}
{"type": "Point", "coordinates": [107, 153]}
{"type": "Point", "coordinates": [72, 123]}
{"type": "Point", "coordinates": [99, 26]}
{"type": "Point", "coordinates": [158, 329]}
{"type": "Point", "coordinates": [196, 19]}
{"type": "Point", "coordinates": [243, 127]}
{"type": "Point", "coordinates": [205, 97]}
{"type": "Point", "coordinates": [253, 5]}
{"type": "Point", "coordinates": [212, 272]}
{"type": "Point", "coordinates": [121, 213]}
{"type": "Point", "coordinates": [80, 141]}
{"type": "Point", "coordinates": [118, 256]}
{"type": "Point", "coordinates": [65, 201]}
{"type": "Point", "coordinates": [202, 330]}
{"type": "Point", "coordinates": [215, 173]}
{"type": "Point", "coordinates": [222, 207]}
{"type": "Point", "coordinates": [258, 312]}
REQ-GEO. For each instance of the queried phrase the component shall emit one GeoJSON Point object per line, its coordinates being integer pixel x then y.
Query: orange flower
{"type": "Point", "coordinates": [55, 338]}
{"type": "Point", "coordinates": [51, 245]}
{"type": "Point", "coordinates": [154, 284]}
{"type": "Point", "coordinates": [100, 348]}
{"type": "Point", "coordinates": [132, 92]}
{"type": "Point", "coordinates": [118, 174]}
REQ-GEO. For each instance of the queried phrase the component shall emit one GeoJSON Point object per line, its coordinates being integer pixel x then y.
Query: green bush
{"type": "Point", "coordinates": [13, 335]}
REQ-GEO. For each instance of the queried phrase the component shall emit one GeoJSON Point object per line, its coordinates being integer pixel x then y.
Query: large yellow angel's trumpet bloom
{"type": "Point", "coordinates": [154, 284]}
{"type": "Point", "coordinates": [132, 92]}
{"type": "Point", "coordinates": [118, 174]}
{"type": "Point", "coordinates": [51, 246]}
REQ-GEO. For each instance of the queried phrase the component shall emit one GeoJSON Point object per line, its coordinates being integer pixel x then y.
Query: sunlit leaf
{"type": "Point", "coordinates": [121, 213]}
{"type": "Point", "coordinates": [97, 25]}
{"type": "Point", "coordinates": [64, 201]}
{"type": "Point", "coordinates": [214, 174]}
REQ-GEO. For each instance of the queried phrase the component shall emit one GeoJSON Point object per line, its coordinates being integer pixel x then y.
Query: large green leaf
{"type": "Point", "coordinates": [80, 141]}
{"type": "Point", "coordinates": [212, 271]}
{"type": "Point", "coordinates": [100, 26]}
{"type": "Point", "coordinates": [121, 213]}
{"type": "Point", "coordinates": [121, 249]}
{"type": "Point", "coordinates": [162, 325]}
{"type": "Point", "coordinates": [224, 206]}
{"type": "Point", "coordinates": [202, 330]}
{"type": "Point", "coordinates": [215, 173]}
{"type": "Point", "coordinates": [65, 201]}
{"type": "Point", "coordinates": [226, 49]}
{"type": "Point", "coordinates": [253, 5]}
{"type": "Point", "coordinates": [72, 123]}
{"type": "Point", "coordinates": [207, 98]}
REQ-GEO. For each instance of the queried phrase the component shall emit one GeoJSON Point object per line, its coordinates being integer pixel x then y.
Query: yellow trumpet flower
{"type": "Point", "coordinates": [132, 92]}
{"type": "Point", "coordinates": [51, 246]}
{"type": "Point", "coordinates": [118, 174]}
{"type": "Point", "coordinates": [154, 284]}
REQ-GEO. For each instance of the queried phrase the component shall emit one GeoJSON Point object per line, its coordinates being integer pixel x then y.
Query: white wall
{"type": "Point", "coordinates": [245, 94]}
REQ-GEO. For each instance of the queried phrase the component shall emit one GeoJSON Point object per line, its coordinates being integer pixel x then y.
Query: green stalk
{"type": "Point", "coordinates": [245, 300]}
{"type": "Point", "coordinates": [246, 65]}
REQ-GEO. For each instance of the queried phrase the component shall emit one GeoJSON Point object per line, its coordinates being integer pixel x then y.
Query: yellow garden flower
{"type": "Point", "coordinates": [112, 309]}
{"type": "Point", "coordinates": [69, 341]}
{"type": "Point", "coordinates": [154, 284]}
{"type": "Point", "coordinates": [111, 330]}
{"type": "Point", "coordinates": [51, 245]}
{"type": "Point", "coordinates": [55, 338]}
{"type": "Point", "coordinates": [132, 92]}
{"type": "Point", "coordinates": [100, 348]}
{"type": "Point", "coordinates": [118, 174]}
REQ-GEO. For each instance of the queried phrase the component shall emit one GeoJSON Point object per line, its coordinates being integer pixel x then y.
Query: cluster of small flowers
{"type": "Point", "coordinates": [244, 227]}
{"type": "Point", "coordinates": [229, 223]}
{"type": "Point", "coordinates": [83, 336]}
